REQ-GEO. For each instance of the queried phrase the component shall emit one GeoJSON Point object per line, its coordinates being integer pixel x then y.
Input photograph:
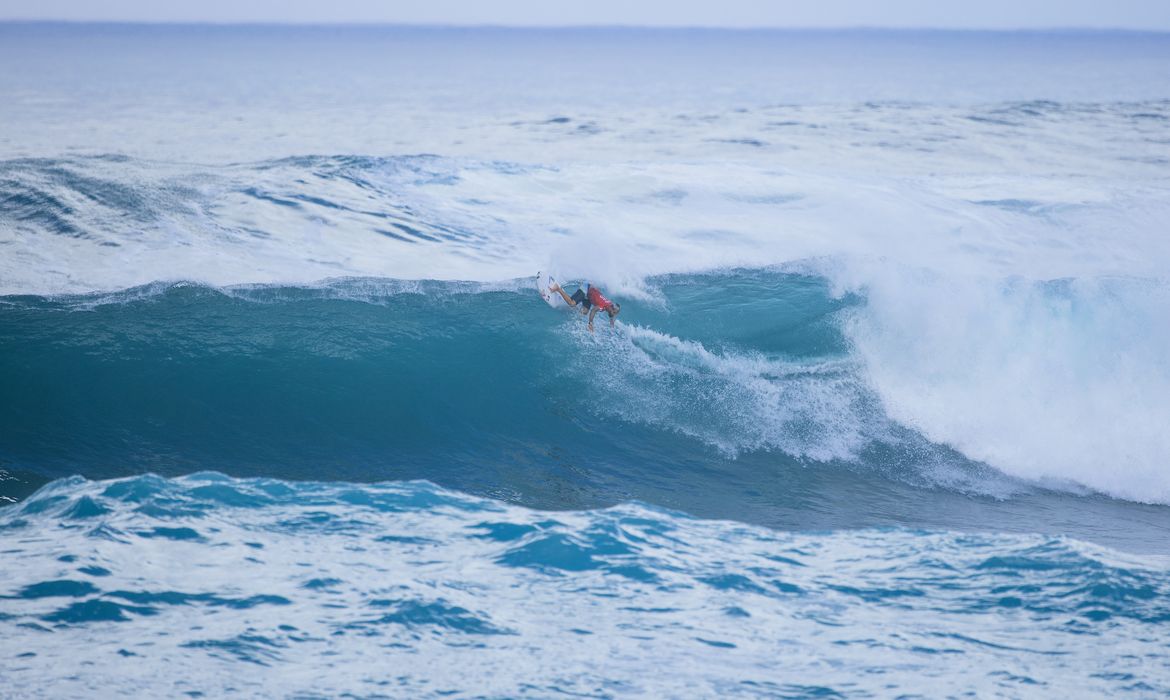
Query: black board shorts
{"type": "Point", "coordinates": [582, 298]}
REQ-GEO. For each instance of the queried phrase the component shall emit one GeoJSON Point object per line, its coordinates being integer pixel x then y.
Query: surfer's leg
{"type": "Point", "coordinates": [561, 290]}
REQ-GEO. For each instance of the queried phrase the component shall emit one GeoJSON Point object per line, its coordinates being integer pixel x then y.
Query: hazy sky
{"type": "Point", "coordinates": [966, 14]}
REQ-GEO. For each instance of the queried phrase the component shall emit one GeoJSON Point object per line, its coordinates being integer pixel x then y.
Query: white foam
{"type": "Point", "coordinates": [735, 402]}
{"type": "Point", "coordinates": [1047, 381]}
{"type": "Point", "coordinates": [301, 593]}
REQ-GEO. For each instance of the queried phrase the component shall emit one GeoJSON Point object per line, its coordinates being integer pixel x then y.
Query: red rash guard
{"type": "Point", "coordinates": [596, 299]}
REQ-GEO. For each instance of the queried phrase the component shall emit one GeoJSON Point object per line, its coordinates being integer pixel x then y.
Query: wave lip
{"type": "Point", "coordinates": [299, 583]}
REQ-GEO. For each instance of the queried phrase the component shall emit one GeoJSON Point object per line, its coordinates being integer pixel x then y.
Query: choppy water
{"type": "Point", "coordinates": [884, 412]}
{"type": "Point", "coordinates": [405, 589]}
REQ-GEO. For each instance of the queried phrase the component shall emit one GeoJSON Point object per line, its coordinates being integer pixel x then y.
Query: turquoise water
{"type": "Point", "coordinates": [883, 414]}
{"type": "Point", "coordinates": [749, 406]}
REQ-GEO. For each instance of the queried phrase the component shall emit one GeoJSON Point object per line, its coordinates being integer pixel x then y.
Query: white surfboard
{"type": "Point", "coordinates": [551, 298]}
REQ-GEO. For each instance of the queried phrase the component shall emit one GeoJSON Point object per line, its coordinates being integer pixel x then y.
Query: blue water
{"type": "Point", "coordinates": [883, 414]}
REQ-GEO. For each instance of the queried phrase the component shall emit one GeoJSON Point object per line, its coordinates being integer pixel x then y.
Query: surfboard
{"type": "Point", "coordinates": [551, 298]}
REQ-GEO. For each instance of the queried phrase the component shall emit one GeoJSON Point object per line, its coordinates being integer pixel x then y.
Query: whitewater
{"type": "Point", "coordinates": [884, 411]}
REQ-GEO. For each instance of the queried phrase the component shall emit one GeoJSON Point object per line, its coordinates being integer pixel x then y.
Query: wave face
{"type": "Point", "coordinates": [747, 394]}
{"type": "Point", "coordinates": [437, 380]}
{"type": "Point", "coordinates": [306, 588]}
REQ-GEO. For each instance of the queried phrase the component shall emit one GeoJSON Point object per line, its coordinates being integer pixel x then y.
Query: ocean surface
{"type": "Point", "coordinates": [886, 412]}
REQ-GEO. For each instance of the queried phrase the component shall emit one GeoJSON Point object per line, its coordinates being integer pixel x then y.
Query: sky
{"type": "Point", "coordinates": [950, 14]}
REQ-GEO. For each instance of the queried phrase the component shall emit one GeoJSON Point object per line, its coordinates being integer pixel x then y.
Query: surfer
{"type": "Point", "coordinates": [591, 300]}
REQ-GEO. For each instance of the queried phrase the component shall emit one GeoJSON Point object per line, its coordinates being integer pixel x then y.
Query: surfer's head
{"type": "Point", "coordinates": [613, 310]}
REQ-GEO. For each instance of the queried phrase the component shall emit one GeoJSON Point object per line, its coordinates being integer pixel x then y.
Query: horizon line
{"type": "Point", "coordinates": [1069, 29]}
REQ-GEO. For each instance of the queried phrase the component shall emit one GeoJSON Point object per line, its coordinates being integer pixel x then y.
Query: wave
{"type": "Point", "coordinates": [978, 332]}
{"type": "Point", "coordinates": [302, 583]}
{"type": "Point", "coordinates": [716, 387]}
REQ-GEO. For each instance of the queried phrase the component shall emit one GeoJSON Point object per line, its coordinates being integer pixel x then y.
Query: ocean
{"type": "Point", "coordinates": [884, 413]}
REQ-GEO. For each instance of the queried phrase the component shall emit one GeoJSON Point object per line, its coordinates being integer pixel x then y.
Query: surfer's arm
{"type": "Point", "coordinates": [592, 313]}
